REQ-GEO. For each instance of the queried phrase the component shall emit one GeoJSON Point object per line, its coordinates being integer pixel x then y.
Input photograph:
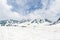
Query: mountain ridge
{"type": "Point", "coordinates": [12, 21]}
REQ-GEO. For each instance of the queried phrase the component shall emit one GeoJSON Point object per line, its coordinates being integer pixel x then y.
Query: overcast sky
{"type": "Point", "coordinates": [26, 9]}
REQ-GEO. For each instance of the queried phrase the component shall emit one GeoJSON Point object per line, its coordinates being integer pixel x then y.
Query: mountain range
{"type": "Point", "coordinates": [12, 22]}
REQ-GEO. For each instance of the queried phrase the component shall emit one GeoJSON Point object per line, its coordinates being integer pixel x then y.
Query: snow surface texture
{"type": "Point", "coordinates": [38, 32]}
{"type": "Point", "coordinates": [12, 11]}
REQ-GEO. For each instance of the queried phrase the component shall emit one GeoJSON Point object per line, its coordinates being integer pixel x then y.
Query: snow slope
{"type": "Point", "coordinates": [30, 32]}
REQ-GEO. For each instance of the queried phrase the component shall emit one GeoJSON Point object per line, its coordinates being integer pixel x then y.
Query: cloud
{"type": "Point", "coordinates": [5, 11]}
{"type": "Point", "coordinates": [24, 7]}
{"type": "Point", "coordinates": [54, 9]}
{"type": "Point", "coordinates": [50, 10]}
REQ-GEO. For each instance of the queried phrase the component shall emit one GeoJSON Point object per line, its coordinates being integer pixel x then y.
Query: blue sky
{"type": "Point", "coordinates": [18, 9]}
{"type": "Point", "coordinates": [25, 5]}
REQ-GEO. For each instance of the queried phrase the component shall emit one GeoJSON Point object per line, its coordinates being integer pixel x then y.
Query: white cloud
{"type": "Point", "coordinates": [5, 12]}
{"type": "Point", "coordinates": [51, 13]}
{"type": "Point", "coordinates": [54, 9]}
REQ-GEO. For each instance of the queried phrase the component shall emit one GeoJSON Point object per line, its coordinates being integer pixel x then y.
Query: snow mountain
{"type": "Point", "coordinates": [12, 22]}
